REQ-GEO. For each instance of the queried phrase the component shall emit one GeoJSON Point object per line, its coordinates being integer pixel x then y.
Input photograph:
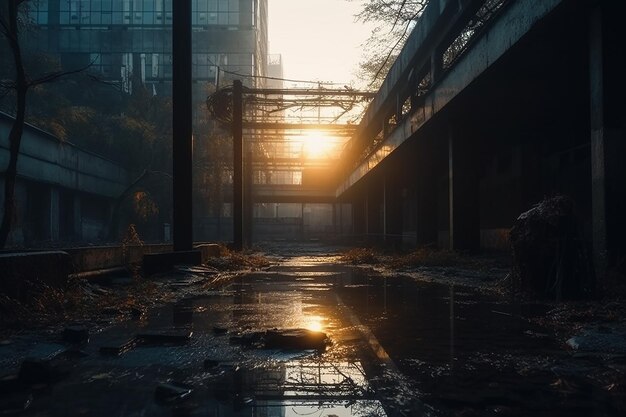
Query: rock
{"type": "Point", "coordinates": [600, 339]}
{"type": "Point", "coordinates": [172, 392]}
{"type": "Point", "coordinates": [76, 335]}
{"type": "Point", "coordinates": [548, 257]}
{"type": "Point", "coordinates": [299, 339]}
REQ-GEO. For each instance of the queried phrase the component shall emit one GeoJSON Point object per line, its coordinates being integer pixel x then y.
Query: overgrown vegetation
{"type": "Point", "coordinates": [426, 256]}
{"type": "Point", "coordinates": [78, 303]}
{"type": "Point", "coordinates": [234, 261]}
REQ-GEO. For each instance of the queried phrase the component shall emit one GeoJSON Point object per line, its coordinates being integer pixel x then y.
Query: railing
{"type": "Point", "coordinates": [444, 32]}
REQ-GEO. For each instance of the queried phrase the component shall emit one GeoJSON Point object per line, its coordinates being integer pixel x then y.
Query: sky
{"type": "Point", "coordinates": [319, 40]}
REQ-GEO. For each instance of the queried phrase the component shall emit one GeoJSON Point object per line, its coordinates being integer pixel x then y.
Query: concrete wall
{"type": "Point", "coordinates": [62, 192]}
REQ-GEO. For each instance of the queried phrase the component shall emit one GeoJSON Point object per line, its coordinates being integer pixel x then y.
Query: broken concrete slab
{"type": "Point", "coordinates": [600, 339]}
{"type": "Point", "coordinates": [119, 347]}
{"type": "Point", "coordinates": [40, 371]}
{"type": "Point", "coordinates": [165, 338]}
{"type": "Point", "coordinates": [172, 392]}
{"type": "Point", "coordinates": [76, 335]}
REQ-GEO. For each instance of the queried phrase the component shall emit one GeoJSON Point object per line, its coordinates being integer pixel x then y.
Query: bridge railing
{"type": "Point", "coordinates": [442, 34]}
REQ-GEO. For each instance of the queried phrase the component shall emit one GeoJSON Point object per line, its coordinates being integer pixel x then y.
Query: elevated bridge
{"type": "Point", "coordinates": [491, 106]}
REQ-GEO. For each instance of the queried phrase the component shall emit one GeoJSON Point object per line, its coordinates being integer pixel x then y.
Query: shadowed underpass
{"type": "Point", "coordinates": [398, 346]}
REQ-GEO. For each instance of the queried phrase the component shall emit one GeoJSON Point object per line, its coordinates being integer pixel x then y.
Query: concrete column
{"type": "Point", "coordinates": [392, 212]}
{"type": "Point", "coordinates": [78, 218]}
{"type": "Point", "coordinates": [367, 213]}
{"type": "Point", "coordinates": [425, 195]}
{"type": "Point", "coordinates": [607, 65]}
{"type": "Point", "coordinates": [463, 189]}
{"type": "Point", "coordinates": [55, 214]}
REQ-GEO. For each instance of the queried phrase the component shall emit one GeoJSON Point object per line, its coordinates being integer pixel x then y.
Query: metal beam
{"type": "Point", "coordinates": [298, 126]}
{"type": "Point", "coordinates": [311, 92]}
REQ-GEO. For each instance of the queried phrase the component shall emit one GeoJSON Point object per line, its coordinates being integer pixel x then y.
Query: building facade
{"type": "Point", "coordinates": [127, 40]}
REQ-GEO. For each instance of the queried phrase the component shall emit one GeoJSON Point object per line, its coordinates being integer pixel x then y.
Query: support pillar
{"type": "Point", "coordinates": [463, 193]}
{"type": "Point", "coordinates": [78, 218]}
{"type": "Point", "coordinates": [182, 148]}
{"type": "Point", "coordinates": [248, 205]}
{"type": "Point", "coordinates": [607, 65]}
{"type": "Point", "coordinates": [392, 213]}
{"type": "Point", "coordinates": [55, 214]}
{"type": "Point", "coordinates": [425, 196]}
{"type": "Point", "coordinates": [238, 165]}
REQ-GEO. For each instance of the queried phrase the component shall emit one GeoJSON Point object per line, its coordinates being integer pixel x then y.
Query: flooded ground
{"type": "Point", "coordinates": [398, 347]}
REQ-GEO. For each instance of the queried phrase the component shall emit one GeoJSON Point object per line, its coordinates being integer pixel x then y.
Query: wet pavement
{"type": "Point", "coordinates": [398, 347]}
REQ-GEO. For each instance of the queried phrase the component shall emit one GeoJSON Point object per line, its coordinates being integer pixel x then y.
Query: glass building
{"type": "Point", "coordinates": [124, 37]}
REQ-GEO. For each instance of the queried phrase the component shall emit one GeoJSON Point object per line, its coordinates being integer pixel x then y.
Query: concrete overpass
{"type": "Point", "coordinates": [491, 106]}
{"type": "Point", "coordinates": [63, 192]}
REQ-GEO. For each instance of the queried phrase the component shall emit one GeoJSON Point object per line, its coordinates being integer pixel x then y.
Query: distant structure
{"type": "Point", "coordinates": [129, 40]}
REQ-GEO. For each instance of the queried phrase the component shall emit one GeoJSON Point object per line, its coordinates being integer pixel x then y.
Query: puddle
{"type": "Point", "coordinates": [399, 347]}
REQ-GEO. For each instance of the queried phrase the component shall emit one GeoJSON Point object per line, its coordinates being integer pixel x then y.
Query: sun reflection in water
{"type": "Point", "coordinates": [314, 323]}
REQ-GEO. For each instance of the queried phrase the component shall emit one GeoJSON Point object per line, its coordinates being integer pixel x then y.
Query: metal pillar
{"type": "Point", "coordinates": [238, 165]}
{"type": "Point", "coordinates": [247, 200]}
{"type": "Point", "coordinates": [182, 148]}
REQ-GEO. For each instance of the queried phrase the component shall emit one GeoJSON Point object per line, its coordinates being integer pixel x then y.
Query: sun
{"type": "Point", "coordinates": [317, 145]}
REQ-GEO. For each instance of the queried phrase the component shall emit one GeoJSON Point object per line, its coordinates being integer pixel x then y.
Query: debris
{"type": "Point", "coordinates": [220, 330]}
{"type": "Point", "coordinates": [599, 339]}
{"type": "Point", "coordinates": [137, 313]}
{"type": "Point", "coordinates": [39, 371]}
{"type": "Point", "coordinates": [76, 335]}
{"type": "Point", "coordinates": [210, 364]}
{"type": "Point", "coordinates": [165, 338]}
{"type": "Point", "coordinates": [295, 339]}
{"type": "Point", "coordinates": [120, 347]}
{"type": "Point", "coordinates": [549, 259]}
{"type": "Point", "coordinates": [251, 339]}
{"type": "Point", "coordinates": [172, 392]}
{"type": "Point", "coordinates": [15, 404]}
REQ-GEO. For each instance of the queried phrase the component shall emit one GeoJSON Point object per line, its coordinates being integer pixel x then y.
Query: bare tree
{"type": "Point", "coordinates": [13, 19]}
{"type": "Point", "coordinates": [394, 21]}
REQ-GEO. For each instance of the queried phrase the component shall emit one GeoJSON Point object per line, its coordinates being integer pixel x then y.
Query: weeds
{"type": "Point", "coordinates": [361, 256]}
{"type": "Point", "coordinates": [425, 256]}
{"type": "Point", "coordinates": [235, 261]}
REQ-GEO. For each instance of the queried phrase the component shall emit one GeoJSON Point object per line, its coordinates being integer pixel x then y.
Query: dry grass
{"type": "Point", "coordinates": [235, 261]}
{"type": "Point", "coordinates": [361, 256]}
{"type": "Point", "coordinates": [428, 256]}
{"type": "Point", "coordinates": [81, 302]}
{"type": "Point", "coordinates": [421, 257]}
